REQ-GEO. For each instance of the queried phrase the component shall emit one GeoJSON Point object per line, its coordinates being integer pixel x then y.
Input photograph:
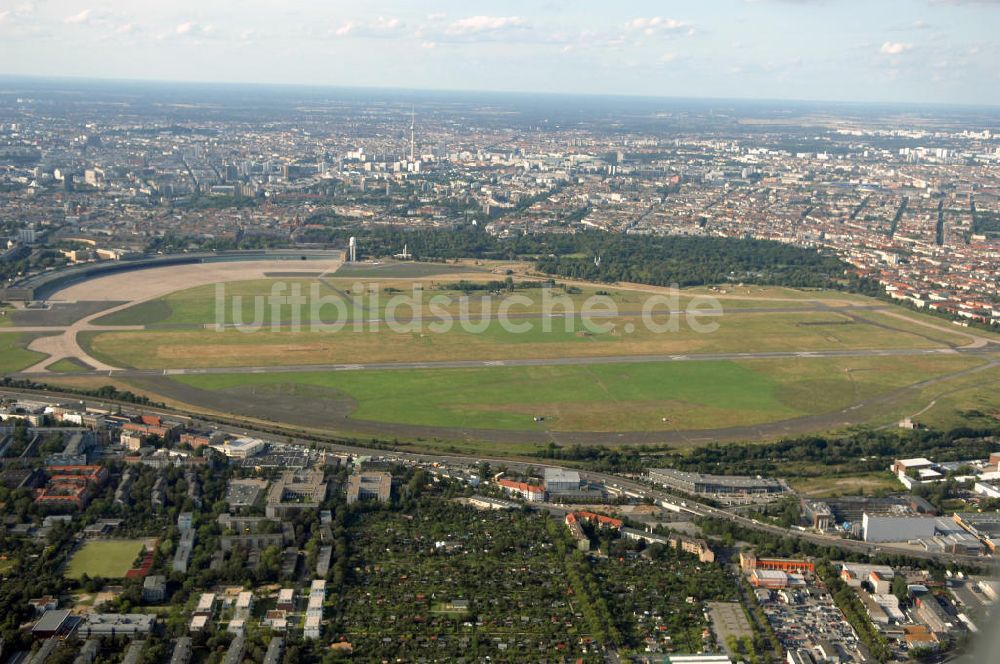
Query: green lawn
{"type": "Point", "coordinates": [14, 353]}
{"type": "Point", "coordinates": [198, 305]}
{"type": "Point", "coordinates": [68, 366]}
{"type": "Point", "coordinates": [623, 335]}
{"type": "Point", "coordinates": [601, 397]}
{"type": "Point", "coordinates": [109, 559]}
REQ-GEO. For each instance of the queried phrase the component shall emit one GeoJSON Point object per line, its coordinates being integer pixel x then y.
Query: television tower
{"type": "Point", "coordinates": [413, 126]}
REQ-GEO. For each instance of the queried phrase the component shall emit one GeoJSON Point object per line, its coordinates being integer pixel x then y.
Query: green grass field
{"type": "Point", "coordinates": [14, 353]}
{"type": "Point", "coordinates": [68, 366]}
{"type": "Point", "coordinates": [651, 396]}
{"type": "Point", "coordinates": [109, 559]}
{"type": "Point", "coordinates": [625, 335]}
{"type": "Point", "coordinates": [603, 397]}
{"type": "Point", "coordinates": [198, 305]}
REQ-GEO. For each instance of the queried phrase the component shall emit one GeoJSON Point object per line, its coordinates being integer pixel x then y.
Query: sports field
{"type": "Point", "coordinates": [109, 559]}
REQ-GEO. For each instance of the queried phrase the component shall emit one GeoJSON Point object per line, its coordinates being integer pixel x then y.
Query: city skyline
{"type": "Point", "coordinates": [907, 51]}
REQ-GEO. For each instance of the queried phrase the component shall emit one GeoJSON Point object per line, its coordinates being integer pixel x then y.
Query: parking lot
{"type": "Point", "coordinates": [805, 618]}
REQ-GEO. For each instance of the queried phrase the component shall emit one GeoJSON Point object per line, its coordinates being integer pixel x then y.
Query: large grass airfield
{"type": "Point", "coordinates": [780, 361]}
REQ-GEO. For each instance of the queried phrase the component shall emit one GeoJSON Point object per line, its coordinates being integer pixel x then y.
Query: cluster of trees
{"type": "Point", "coordinates": [686, 261]}
{"type": "Point", "coordinates": [108, 392]}
{"type": "Point", "coordinates": [172, 243]}
{"type": "Point", "coordinates": [598, 457]}
{"type": "Point", "coordinates": [765, 645]}
{"type": "Point", "coordinates": [859, 451]}
{"type": "Point", "coordinates": [35, 572]}
{"type": "Point", "coordinates": [851, 453]}
{"type": "Point", "coordinates": [695, 261]}
{"type": "Point", "coordinates": [587, 593]}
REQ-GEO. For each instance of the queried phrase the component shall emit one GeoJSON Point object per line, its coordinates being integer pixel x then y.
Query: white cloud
{"type": "Point", "coordinates": [480, 24]}
{"type": "Point", "coordinates": [380, 27]}
{"type": "Point", "coordinates": [191, 29]}
{"type": "Point", "coordinates": [894, 48]}
{"type": "Point", "coordinates": [657, 24]}
{"type": "Point", "coordinates": [4, 15]}
{"type": "Point", "coordinates": [82, 17]}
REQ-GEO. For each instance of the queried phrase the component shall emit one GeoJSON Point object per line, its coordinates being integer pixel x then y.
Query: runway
{"type": "Point", "coordinates": [534, 362]}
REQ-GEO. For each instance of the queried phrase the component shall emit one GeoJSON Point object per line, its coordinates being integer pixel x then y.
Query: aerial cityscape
{"type": "Point", "coordinates": [306, 367]}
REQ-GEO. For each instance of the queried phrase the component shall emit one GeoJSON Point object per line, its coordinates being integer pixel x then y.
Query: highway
{"type": "Point", "coordinates": [695, 508]}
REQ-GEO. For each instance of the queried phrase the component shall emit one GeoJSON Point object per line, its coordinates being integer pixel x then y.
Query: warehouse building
{"type": "Point", "coordinates": [560, 480]}
{"type": "Point", "coordinates": [716, 484]}
{"type": "Point", "coordinates": [897, 528]}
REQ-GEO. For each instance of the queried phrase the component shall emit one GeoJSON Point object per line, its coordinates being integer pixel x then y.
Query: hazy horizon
{"type": "Point", "coordinates": [30, 80]}
{"type": "Point", "coordinates": [895, 51]}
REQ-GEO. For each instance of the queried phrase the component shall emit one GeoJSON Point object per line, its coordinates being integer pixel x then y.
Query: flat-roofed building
{"type": "Point", "coordinates": [154, 589]}
{"type": "Point", "coordinates": [54, 623]}
{"type": "Point", "coordinates": [117, 624]}
{"type": "Point", "coordinates": [275, 649]}
{"type": "Point", "coordinates": [240, 448]}
{"type": "Point", "coordinates": [369, 486]}
{"type": "Point", "coordinates": [199, 623]}
{"type": "Point", "coordinates": [312, 627]}
{"type": "Point", "coordinates": [765, 578]}
{"type": "Point", "coordinates": [296, 491]}
{"type": "Point", "coordinates": [182, 651]}
{"type": "Point", "coordinates": [206, 604]}
{"type": "Point", "coordinates": [560, 480]}
{"type": "Point", "coordinates": [244, 604]}
{"type": "Point", "coordinates": [134, 653]}
{"type": "Point", "coordinates": [286, 599]}
{"type": "Point", "coordinates": [699, 483]}
{"type": "Point", "coordinates": [237, 648]}
{"type": "Point", "coordinates": [897, 528]}
{"type": "Point", "coordinates": [749, 562]}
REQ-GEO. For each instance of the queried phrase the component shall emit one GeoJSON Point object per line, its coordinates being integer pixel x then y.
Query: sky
{"type": "Point", "coordinates": [940, 51]}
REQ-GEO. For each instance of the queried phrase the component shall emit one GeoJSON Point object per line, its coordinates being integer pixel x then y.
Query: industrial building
{"type": "Point", "coordinates": [560, 480]}
{"type": "Point", "coordinates": [750, 562]}
{"type": "Point", "coordinates": [983, 525]}
{"type": "Point", "coordinates": [698, 483]}
{"type": "Point", "coordinates": [897, 528]}
{"type": "Point", "coordinates": [240, 448]}
{"type": "Point", "coordinates": [817, 514]}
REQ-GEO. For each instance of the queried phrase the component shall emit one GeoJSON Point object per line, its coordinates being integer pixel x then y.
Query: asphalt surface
{"type": "Point", "coordinates": [539, 362]}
